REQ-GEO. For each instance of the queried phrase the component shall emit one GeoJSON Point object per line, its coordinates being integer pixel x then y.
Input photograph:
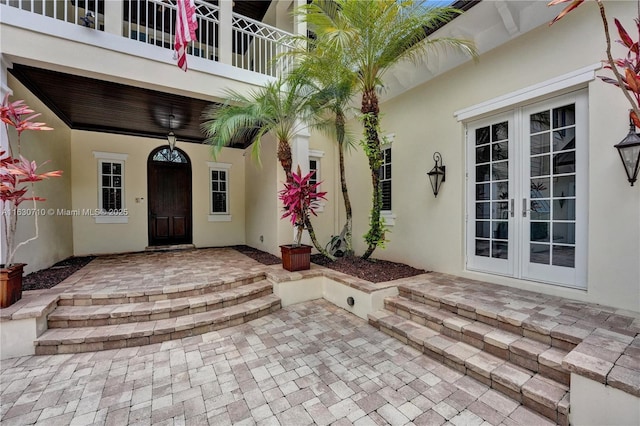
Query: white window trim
{"type": "Point", "coordinates": [388, 215]}
{"type": "Point", "coordinates": [519, 272]}
{"type": "Point", "coordinates": [317, 155]}
{"type": "Point", "coordinates": [543, 89]}
{"type": "Point", "coordinates": [113, 157]}
{"type": "Point", "coordinates": [219, 217]}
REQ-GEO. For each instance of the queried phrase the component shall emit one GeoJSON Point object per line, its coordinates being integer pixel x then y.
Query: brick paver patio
{"type": "Point", "coordinates": [305, 364]}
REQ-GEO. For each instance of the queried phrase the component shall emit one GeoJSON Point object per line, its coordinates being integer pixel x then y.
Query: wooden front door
{"type": "Point", "coordinates": [169, 195]}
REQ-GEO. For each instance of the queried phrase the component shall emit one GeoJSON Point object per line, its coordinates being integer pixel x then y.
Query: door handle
{"type": "Point", "coordinates": [513, 208]}
{"type": "Point", "coordinates": [524, 207]}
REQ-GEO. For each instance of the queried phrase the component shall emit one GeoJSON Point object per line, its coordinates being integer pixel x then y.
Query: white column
{"type": "Point", "coordinates": [300, 151]}
{"type": "Point", "coordinates": [299, 26]}
{"type": "Point", "coordinates": [225, 32]}
{"type": "Point", "coordinates": [300, 157]}
{"type": "Point", "coordinates": [5, 64]}
{"type": "Point", "coordinates": [113, 17]}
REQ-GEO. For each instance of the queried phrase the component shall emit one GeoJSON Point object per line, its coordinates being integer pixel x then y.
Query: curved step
{"type": "Point", "coordinates": [110, 297]}
{"type": "Point", "coordinates": [527, 353]}
{"type": "Point", "coordinates": [85, 339]}
{"type": "Point", "coordinates": [86, 316]}
{"type": "Point", "coordinates": [541, 394]}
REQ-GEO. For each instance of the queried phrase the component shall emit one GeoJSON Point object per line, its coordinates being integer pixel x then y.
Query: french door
{"type": "Point", "coordinates": [527, 192]}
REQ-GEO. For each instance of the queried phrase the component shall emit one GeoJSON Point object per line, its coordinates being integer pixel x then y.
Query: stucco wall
{"type": "Point", "coordinates": [430, 232]}
{"type": "Point", "coordinates": [92, 238]}
{"type": "Point", "coordinates": [262, 210]}
{"type": "Point", "coordinates": [263, 207]}
{"type": "Point", "coordinates": [55, 240]}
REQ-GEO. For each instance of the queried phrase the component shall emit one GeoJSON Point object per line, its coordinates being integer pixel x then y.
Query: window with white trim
{"type": "Point", "coordinates": [315, 165]}
{"type": "Point", "coordinates": [219, 192]}
{"type": "Point", "coordinates": [385, 178]}
{"type": "Point", "coordinates": [111, 184]}
{"type": "Point", "coordinates": [112, 174]}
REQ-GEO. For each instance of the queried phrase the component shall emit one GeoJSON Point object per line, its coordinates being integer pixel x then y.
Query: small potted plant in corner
{"type": "Point", "coordinates": [300, 198]}
{"type": "Point", "coordinates": [17, 177]}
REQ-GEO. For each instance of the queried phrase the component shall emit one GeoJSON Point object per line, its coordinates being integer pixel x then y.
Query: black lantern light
{"type": "Point", "coordinates": [437, 174]}
{"type": "Point", "coordinates": [629, 150]}
{"type": "Point", "coordinates": [171, 137]}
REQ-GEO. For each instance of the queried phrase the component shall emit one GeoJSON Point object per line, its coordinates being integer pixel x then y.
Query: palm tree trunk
{"type": "Point", "coordinates": [348, 226]}
{"type": "Point", "coordinates": [371, 111]}
{"type": "Point", "coordinates": [285, 158]}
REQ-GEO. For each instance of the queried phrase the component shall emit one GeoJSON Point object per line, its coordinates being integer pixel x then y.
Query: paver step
{"type": "Point", "coordinates": [541, 394]}
{"type": "Point", "coordinates": [109, 297]}
{"type": "Point", "coordinates": [485, 310]}
{"type": "Point", "coordinates": [91, 316]}
{"type": "Point", "coordinates": [527, 353]}
{"type": "Point", "coordinates": [85, 339]}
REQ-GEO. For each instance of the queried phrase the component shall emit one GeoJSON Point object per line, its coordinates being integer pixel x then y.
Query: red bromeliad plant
{"type": "Point", "coordinates": [18, 174]}
{"type": "Point", "coordinates": [299, 198]}
{"type": "Point", "coordinates": [626, 70]}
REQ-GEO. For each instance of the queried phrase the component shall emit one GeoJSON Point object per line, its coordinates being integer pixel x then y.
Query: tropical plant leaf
{"type": "Point", "coordinates": [574, 4]}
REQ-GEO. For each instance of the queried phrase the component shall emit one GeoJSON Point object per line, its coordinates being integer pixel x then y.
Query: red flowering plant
{"type": "Point", "coordinates": [625, 70]}
{"type": "Point", "coordinates": [300, 198]}
{"type": "Point", "coordinates": [18, 175]}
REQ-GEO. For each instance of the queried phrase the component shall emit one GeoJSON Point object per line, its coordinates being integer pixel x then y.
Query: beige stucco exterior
{"type": "Point", "coordinates": [95, 238]}
{"type": "Point", "coordinates": [430, 232]}
{"type": "Point", "coordinates": [55, 233]}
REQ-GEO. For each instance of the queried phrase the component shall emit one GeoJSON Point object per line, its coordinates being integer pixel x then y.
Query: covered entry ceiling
{"type": "Point", "coordinates": [103, 106]}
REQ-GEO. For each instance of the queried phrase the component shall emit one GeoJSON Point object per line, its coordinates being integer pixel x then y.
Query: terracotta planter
{"type": "Point", "coordinates": [296, 258]}
{"type": "Point", "coordinates": [11, 284]}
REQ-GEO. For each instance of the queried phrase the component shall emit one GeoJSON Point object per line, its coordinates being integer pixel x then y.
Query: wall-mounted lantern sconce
{"type": "Point", "coordinates": [437, 174]}
{"type": "Point", "coordinates": [171, 137]}
{"type": "Point", "coordinates": [629, 150]}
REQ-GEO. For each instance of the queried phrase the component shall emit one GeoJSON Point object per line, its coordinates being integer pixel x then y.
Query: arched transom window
{"type": "Point", "coordinates": [170, 156]}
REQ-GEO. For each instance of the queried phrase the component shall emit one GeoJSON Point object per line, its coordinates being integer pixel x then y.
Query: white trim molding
{"type": "Point", "coordinates": [116, 157]}
{"type": "Point", "coordinates": [219, 218]}
{"type": "Point", "coordinates": [544, 88]}
{"type": "Point", "coordinates": [226, 216]}
{"type": "Point", "coordinates": [214, 165]}
{"type": "Point", "coordinates": [389, 217]}
{"type": "Point", "coordinates": [110, 155]}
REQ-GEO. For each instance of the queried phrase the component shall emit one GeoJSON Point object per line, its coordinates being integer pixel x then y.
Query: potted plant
{"type": "Point", "coordinates": [17, 176]}
{"type": "Point", "coordinates": [299, 197]}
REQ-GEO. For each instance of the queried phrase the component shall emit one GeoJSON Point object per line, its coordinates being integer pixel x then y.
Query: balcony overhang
{"type": "Point", "coordinates": [85, 103]}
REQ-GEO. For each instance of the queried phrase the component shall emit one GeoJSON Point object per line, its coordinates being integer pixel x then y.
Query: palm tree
{"type": "Point", "coordinates": [372, 36]}
{"type": "Point", "coordinates": [335, 91]}
{"type": "Point", "coordinates": [283, 107]}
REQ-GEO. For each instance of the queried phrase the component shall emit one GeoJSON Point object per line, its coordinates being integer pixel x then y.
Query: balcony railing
{"type": "Point", "coordinates": [79, 12]}
{"type": "Point", "coordinates": [255, 46]}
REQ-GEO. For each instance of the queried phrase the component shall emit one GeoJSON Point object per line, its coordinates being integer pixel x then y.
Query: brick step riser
{"type": "Point", "coordinates": [157, 316]}
{"type": "Point", "coordinates": [494, 381]}
{"type": "Point", "coordinates": [76, 300]}
{"type": "Point", "coordinates": [154, 338]}
{"type": "Point", "coordinates": [527, 361]}
{"type": "Point", "coordinates": [554, 341]}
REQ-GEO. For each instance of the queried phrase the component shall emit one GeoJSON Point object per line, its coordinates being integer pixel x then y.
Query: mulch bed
{"type": "Point", "coordinates": [375, 271]}
{"type": "Point", "coordinates": [54, 275]}
{"type": "Point", "coordinates": [258, 255]}
{"type": "Point", "coordinates": [371, 270]}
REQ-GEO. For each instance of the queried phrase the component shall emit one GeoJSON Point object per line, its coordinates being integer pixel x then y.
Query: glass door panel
{"type": "Point", "coordinates": [490, 227]}
{"type": "Point", "coordinates": [550, 217]}
{"type": "Point", "coordinates": [536, 155]}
